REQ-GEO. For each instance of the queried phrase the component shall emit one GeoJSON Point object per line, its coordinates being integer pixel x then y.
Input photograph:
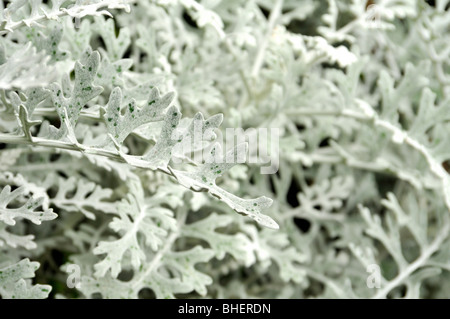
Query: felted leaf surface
{"type": "Point", "coordinates": [14, 283]}
{"type": "Point", "coordinates": [27, 210]}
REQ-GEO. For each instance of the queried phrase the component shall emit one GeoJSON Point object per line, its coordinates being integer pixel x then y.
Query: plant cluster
{"type": "Point", "coordinates": [97, 199]}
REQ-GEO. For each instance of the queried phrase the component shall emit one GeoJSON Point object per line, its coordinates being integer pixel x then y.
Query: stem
{"type": "Point", "coordinates": [344, 113]}
{"type": "Point", "coordinates": [240, 72]}
{"type": "Point", "coordinates": [37, 141]}
{"type": "Point", "coordinates": [41, 167]}
{"type": "Point", "coordinates": [50, 112]}
{"type": "Point", "coordinates": [274, 14]}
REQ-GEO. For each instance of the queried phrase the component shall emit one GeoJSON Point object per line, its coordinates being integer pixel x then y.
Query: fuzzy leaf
{"type": "Point", "coordinates": [121, 126]}
{"type": "Point", "coordinates": [83, 90]}
{"type": "Point", "coordinates": [204, 178]}
{"type": "Point", "coordinates": [86, 196]}
{"type": "Point", "coordinates": [28, 210]}
{"type": "Point", "coordinates": [26, 69]}
{"type": "Point", "coordinates": [14, 282]}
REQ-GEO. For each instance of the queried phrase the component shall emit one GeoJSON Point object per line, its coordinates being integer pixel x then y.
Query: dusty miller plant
{"type": "Point", "coordinates": [93, 204]}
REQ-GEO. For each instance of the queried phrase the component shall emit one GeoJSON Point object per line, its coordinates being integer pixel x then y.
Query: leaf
{"type": "Point", "coordinates": [340, 55]}
{"type": "Point", "coordinates": [277, 248]}
{"type": "Point", "coordinates": [48, 43]}
{"type": "Point", "coordinates": [87, 196]}
{"type": "Point", "coordinates": [15, 241]}
{"type": "Point", "coordinates": [238, 245]}
{"type": "Point", "coordinates": [115, 45]}
{"type": "Point", "coordinates": [204, 179]}
{"type": "Point", "coordinates": [111, 74]}
{"type": "Point", "coordinates": [203, 16]}
{"type": "Point", "coordinates": [9, 157]}
{"type": "Point", "coordinates": [189, 139]}
{"type": "Point", "coordinates": [25, 192]}
{"type": "Point", "coordinates": [69, 108]}
{"type": "Point", "coordinates": [184, 263]}
{"type": "Point", "coordinates": [121, 126]}
{"type": "Point", "coordinates": [14, 282]}
{"type": "Point", "coordinates": [326, 196]}
{"type": "Point", "coordinates": [167, 271]}
{"type": "Point", "coordinates": [390, 238]}
{"type": "Point", "coordinates": [28, 210]}
{"type": "Point", "coordinates": [77, 36]}
{"type": "Point", "coordinates": [14, 16]}
{"type": "Point", "coordinates": [429, 115]}
{"type": "Point", "coordinates": [136, 217]}
{"type": "Point", "coordinates": [26, 69]}
{"type": "Point", "coordinates": [29, 189]}
{"type": "Point", "coordinates": [152, 277]}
